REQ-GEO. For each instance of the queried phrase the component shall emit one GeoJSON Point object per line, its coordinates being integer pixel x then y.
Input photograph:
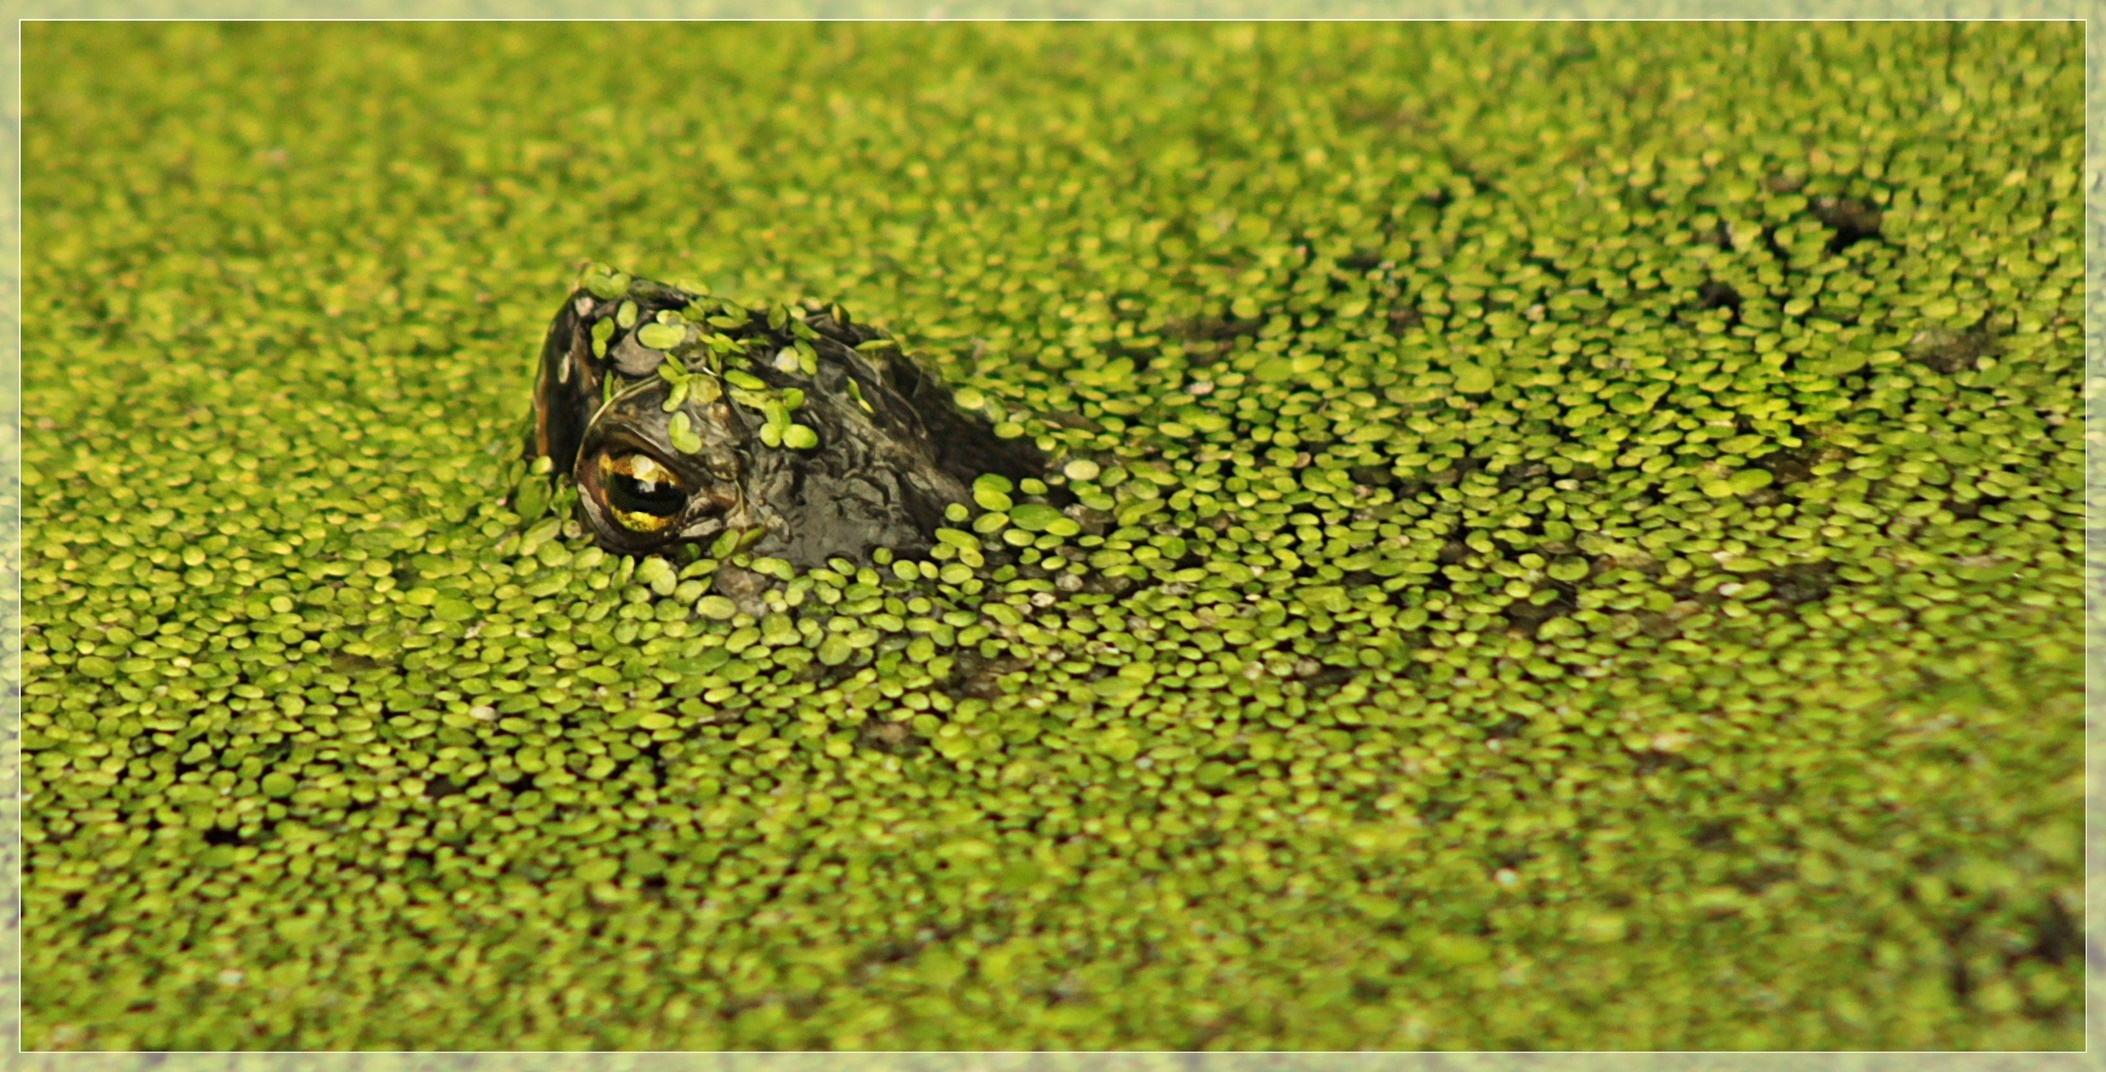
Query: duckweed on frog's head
{"type": "Point", "coordinates": [681, 418]}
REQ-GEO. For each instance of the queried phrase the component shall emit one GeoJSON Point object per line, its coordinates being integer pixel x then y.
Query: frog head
{"type": "Point", "coordinates": [653, 461]}
{"type": "Point", "coordinates": [680, 418]}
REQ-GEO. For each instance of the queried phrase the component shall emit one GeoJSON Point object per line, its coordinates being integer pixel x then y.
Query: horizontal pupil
{"type": "Point", "coordinates": [625, 492]}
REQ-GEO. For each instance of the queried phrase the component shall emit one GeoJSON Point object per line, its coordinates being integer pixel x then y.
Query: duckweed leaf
{"type": "Point", "coordinates": [1473, 379]}
{"type": "Point", "coordinates": [1033, 517]}
{"type": "Point", "coordinates": [680, 431]}
{"type": "Point", "coordinates": [661, 336]}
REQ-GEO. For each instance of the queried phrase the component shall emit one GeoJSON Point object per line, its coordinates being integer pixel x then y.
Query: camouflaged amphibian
{"type": "Point", "coordinates": [681, 417]}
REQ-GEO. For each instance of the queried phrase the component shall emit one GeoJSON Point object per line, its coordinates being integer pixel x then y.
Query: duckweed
{"type": "Point", "coordinates": [1543, 551]}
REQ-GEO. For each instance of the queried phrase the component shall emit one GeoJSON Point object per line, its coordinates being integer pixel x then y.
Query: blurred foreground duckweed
{"type": "Point", "coordinates": [1545, 547]}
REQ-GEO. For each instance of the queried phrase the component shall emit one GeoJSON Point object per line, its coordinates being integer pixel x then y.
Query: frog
{"type": "Point", "coordinates": [781, 429]}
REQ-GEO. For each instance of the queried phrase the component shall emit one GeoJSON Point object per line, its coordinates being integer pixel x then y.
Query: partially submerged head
{"type": "Point", "coordinates": [684, 418]}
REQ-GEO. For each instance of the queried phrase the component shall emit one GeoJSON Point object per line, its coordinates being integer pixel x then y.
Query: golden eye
{"type": "Point", "coordinates": [641, 494]}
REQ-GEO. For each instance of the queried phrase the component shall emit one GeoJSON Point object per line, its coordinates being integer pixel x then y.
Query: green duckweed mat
{"type": "Point", "coordinates": [1583, 547]}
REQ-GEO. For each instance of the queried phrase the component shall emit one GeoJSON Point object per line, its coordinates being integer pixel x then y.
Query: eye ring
{"type": "Point", "coordinates": [640, 493]}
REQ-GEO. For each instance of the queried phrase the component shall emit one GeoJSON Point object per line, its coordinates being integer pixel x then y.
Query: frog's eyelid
{"type": "Point", "coordinates": [617, 396]}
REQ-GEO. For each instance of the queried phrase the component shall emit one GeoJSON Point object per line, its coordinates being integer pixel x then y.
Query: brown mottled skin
{"type": "Point", "coordinates": [880, 476]}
